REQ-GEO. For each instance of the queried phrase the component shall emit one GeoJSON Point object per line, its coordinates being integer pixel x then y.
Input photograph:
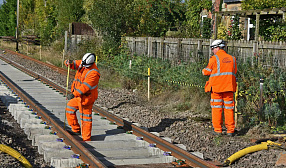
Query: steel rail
{"type": "Point", "coordinates": [177, 152]}
{"type": "Point", "coordinates": [55, 68]}
{"type": "Point", "coordinates": [164, 145]}
{"type": "Point", "coordinates": [84, 154]}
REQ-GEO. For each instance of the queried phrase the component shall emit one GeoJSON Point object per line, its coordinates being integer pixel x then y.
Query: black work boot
{"type": "Point", "coordinates": [217, 133]}
{"type": "Point", "coordinates": [73, 133]}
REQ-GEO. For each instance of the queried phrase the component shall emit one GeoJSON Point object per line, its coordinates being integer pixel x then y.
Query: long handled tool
{"type": "Point", "coordinates": [68, 75]}
{"type": "Point", "coordinates": [235, 109]}
{"type": "Point", "coordinates": [82, 124]}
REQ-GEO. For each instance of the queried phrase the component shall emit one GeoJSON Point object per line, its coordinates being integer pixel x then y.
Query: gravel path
{"type": "Point", "coordinates": [181, 127]}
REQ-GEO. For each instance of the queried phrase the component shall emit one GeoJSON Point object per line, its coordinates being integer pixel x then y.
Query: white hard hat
{"type": "Point", "coordinates": [88, 59]}
{"type": "Point", "coordinates": [217, 43]}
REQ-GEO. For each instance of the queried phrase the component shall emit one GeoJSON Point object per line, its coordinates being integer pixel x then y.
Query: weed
{"type": "Point", "coordinates": [217, 140]}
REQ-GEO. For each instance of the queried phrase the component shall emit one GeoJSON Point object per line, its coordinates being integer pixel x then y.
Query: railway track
{"type": "Point", "coordinates": [38, 106]}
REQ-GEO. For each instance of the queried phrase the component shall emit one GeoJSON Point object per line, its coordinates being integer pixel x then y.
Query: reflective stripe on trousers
{"type": "Point", "coordinates": [73, 106]}
{"type": "Point", "coordinates": [223, 101]}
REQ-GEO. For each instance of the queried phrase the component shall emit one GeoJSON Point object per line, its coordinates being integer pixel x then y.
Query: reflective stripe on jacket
{"type": "Point", "coordinates": [85, 82]}
{"type": "Point", "coordinates": [222, 70]}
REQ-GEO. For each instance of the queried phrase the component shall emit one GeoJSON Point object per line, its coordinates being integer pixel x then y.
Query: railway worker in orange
{"type": "Point", "coordinates": [221, 70]}
{"type": "Point", "coordinates": [84, 93]}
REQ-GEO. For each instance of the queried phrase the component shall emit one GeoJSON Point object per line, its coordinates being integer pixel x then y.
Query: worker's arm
{"type": "Point", "coordinates": [73, 64]}
{"type": "Point", "coordinates": [208, 70]}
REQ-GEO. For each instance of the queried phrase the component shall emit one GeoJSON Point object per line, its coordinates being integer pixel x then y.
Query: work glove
{"type": "Point", "coordinates": [70, 96]}
{"type": "Point", "coordinates": [69, 62]}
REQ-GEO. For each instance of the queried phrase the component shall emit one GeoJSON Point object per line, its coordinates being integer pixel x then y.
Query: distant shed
{"type": "Point", "coordinates": [81, 29]}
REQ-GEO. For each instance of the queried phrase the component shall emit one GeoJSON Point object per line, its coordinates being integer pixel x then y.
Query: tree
{"type": "Point", "coordinates": [156, 17]}
{"type": "Point", "coordinates": [45, 22]}
{"type": "Point", "coordinates": [194, 8]}
{"type": "Point", "coordinates": [8, 22]}
{"type": "Point", "coordinates": [68, 12]}
{"type": "Point", "coordinates": [111, 19]}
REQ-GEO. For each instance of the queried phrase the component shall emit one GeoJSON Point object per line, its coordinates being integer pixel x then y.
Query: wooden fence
{"type": "Point", "coordinates": [179, 50]}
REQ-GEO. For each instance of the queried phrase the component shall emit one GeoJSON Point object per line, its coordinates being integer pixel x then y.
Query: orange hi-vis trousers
{"type": "Point", "coordinates": [223, 101]}
{"type": "Point", "coordinates": [85, 115]}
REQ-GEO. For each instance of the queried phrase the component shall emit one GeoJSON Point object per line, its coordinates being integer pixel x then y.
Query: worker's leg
{"type": "Point", "coordinates": [216, 104]}
{"type": "Point", "coordinates": [86, 122]}
{"type": "Point", "coordinates": [71, 109]}
{"type": "Point", "coordinates": [228, 109]}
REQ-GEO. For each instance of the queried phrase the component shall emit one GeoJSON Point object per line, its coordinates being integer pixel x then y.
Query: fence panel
{"type": "Point", "coordinates": [179, 50]}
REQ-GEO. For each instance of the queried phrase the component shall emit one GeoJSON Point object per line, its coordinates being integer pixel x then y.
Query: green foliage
{"type": "Point", "coordinates": [47, 19]}
{"type": "Point", "coordinates": [222, 32]}
{"type": "Point", "coordinates": [273, 29]}
{"type": "Point", "coordinates": [162, 72]}
{"type": "Point", "coordinates": [234, 32]}
{"type": "Point", "coordinates": [68, 12]}
{"type": "Point", "coordinates": [194, 8]}
{"type": "Point", "coordinates": [206, 29]}
{"type": "Point", "coordinates": [273, 110]}
{"type": "Point", "coordinates": [44, 20]}
{"type": "Point", "coordinates": [134, 18]}
{"type": "Point", "coordinates": [8, 18]}
{"type": "Point", "coordinates": [111, 19]}
{"type": "Point", "coordinates": [262, 4]}
{"type": "Point", "coordinates": [272, 113]}
{"type": "Point", "coordinates": [155, 17]}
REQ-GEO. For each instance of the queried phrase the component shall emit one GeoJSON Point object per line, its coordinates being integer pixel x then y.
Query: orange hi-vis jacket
{"type": "Point", "coordinates": [85, 82]}
{"type": "Point", "coordinates": [222, 70]}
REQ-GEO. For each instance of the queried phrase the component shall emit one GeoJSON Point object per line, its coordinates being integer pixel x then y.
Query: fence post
{"type": "Point", "coordinates": [146, 46]}
{"type": "Point", "coordinates": [178, 51]}
{"type": "Point", "coordinates": [75, 42]}
{"type": "Point", "coordinates": [261, 97]}
{"type": "Point", "coordinates": [216, 26]}
{"type": "Point", "coordinates": [200, 48]}
{"type": "Point", "coordinates": [257, 26]}
{"type": "Point", "coordinates": [150, 40]}
{"type": "Point", "coordinates": [161, 49]}
{"type": "Point", "coordinates": [255, 49]}
{"type": "Point", "coordinates": [148, 84]}
{"type": "Point", "coordinates": [63, 58]}
{"type": "Point", "coordinates": [40, 52]}
{"type": "Point", "coordinates": [27, 48]}
{"type": "Point", "coordinates": [210, 50]}
{"type": "Point", "coordinates": [66, 42]}
{"type": "Point", "coordinates": [133, 46]}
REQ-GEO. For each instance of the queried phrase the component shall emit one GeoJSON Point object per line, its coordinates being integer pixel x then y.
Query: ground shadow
{"type": "Point", "coordinates": [118, 105]}
{"type": "Point", "coordinates": [166, 122]}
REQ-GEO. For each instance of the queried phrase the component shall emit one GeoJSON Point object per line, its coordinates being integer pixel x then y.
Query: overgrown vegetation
{"type": "Point", "coordinates": [163, 74]}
